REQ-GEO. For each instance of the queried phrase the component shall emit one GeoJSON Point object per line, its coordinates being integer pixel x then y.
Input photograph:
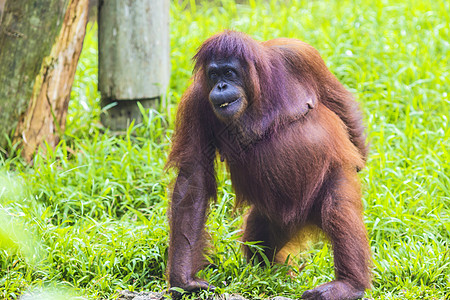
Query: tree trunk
{"type": "Point", "coordinates": [41, 43]}
{"type": "Point", "coordinates": [27, 33]}
{"type": "Point", "coordinates": [45, 118]}
{"type": "Point", "coordinates": [133, 56]}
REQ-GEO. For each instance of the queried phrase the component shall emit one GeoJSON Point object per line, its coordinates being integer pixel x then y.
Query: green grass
{"type": "Point", "coordinates": [89, 217]}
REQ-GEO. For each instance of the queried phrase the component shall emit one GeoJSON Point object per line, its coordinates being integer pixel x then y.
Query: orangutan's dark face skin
{"type": "Point", "coordinates": [227, 95]}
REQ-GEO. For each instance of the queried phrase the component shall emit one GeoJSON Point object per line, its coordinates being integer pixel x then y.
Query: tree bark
{"type": "Point", "coordinates": [27, 33]}
{"type": "Point", "coordinates": [41, 41]}
{"type": "Point", "coordinates": [45, 118]}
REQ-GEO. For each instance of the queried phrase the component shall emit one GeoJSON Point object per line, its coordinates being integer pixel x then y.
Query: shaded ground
{"type": "Point", "coordinates": [127, 295]}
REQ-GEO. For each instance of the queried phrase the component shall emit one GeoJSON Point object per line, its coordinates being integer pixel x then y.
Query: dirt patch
{"type": "Point", "coordinates": [128, 295]}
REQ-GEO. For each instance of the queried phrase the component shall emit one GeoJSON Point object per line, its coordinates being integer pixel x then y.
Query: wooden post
{"type": "Point", "coordinates": [133, 57]}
